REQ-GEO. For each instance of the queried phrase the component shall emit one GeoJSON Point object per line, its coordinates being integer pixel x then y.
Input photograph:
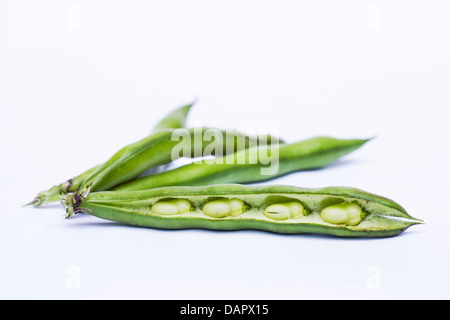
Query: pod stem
{"type": "Point", "coordinates": [72, 201]}
{"type": "Point", "coordinates": [51, 195]}
{"type": "Point", "coordinates": [35, 202]}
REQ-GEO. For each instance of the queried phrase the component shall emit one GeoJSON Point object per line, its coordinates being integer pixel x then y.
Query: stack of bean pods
{"type": "Point", "coordinates": [217, 194]}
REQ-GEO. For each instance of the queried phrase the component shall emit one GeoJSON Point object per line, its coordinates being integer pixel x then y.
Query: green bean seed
{"type": "Point", "coordinates": [344, 213]}
{"type": "Point", "coordinates": [224, 208]}
{"type": "Point", "coordinates": [338, 211]}
{"type": "Point", "coordinates": [283, 211]}
{"type": "Point", "coordinates": [170, 207]}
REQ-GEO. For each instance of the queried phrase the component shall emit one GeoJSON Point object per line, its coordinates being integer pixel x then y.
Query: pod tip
{"type": "Point", "coordinates": [369, 139]}
{"type": "Point", "coordinates": [418, 221]}
{"type": "Point", "coordinates": [35, 202]}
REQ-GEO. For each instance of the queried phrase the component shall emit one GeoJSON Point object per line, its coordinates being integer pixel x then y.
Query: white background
{"type": "Point", "coordinates": [80, 79]}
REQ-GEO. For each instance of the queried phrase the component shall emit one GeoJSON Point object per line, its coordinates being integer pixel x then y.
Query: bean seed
{"type": "Point", "coordinates": [345, 213]}
{"type": "Point", "coordinates": [284, 211]}
{"type": "Point", "coordinates": [224, 208]}
{"type": "Point", "coordinates": [171, 207]}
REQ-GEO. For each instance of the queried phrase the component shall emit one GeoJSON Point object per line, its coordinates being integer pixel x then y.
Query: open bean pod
{"type": "Point", "coordinates": [338, 211]}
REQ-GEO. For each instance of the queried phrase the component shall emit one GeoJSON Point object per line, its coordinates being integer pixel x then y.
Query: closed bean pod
{"type": "Point", "coordinates": [157, 149]}
{"type": "Point", "coordinates": [302, 155]}
{"type": "Point", "coordinates": [243, 207]}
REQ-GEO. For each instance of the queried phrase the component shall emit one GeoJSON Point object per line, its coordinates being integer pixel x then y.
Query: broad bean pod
{"type": "Point", "coordinates": [337, 211]}
{"type": "Point", "coordinates": [307, 154]}
{"type": "Point", "coordinates": [157, 149]}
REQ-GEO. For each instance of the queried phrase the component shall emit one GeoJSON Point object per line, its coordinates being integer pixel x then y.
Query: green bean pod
{"type": "Point", "coordinates": [157, 149]}
{"type": "Point", "coordinates": [173, 120]}
{"type": "Point", "coordinates": [239, 168]}
{"type": "Point", "coordinates": [337, 211]}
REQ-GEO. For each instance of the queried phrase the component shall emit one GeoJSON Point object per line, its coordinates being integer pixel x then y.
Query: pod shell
{"type": "Point", "coordinates": [384, 217]}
